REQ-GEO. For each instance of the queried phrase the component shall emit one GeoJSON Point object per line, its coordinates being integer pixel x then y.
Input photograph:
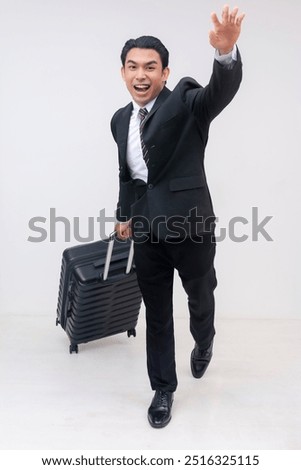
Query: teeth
{"type": "Point", "coordinates": [142, 87]}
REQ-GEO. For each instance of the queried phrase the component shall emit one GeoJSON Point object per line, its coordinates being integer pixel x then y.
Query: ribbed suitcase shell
{"type": "Point", "coordinates": [90, 308]}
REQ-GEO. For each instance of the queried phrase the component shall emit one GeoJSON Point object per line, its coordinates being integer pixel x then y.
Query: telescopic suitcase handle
{"type": "Point", "coordinates": [109, 256]}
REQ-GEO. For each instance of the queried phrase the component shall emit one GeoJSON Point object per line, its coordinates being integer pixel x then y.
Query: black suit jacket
{"type": "Point", "coordinates": [176, 201]}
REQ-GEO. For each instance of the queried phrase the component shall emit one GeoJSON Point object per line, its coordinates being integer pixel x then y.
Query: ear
{"type": "Point", "coordinates": [122, 73]}
{"type": "Point", "coordinates": [165, 74]}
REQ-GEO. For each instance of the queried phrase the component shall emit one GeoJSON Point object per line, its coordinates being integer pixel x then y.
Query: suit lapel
{"type": "Point", "coordinates": [123, 130]}
{"type": "Point", "coordinates": [161, 98]}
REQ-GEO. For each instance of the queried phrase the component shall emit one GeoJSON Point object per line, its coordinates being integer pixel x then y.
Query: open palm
{"type": "Point", "coordinates": [226, 32]}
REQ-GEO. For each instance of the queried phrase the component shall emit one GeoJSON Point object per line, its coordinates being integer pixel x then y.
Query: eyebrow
{"type": "Point", "coordinates": [152, 62]}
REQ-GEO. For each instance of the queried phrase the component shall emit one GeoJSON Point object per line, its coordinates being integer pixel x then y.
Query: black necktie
{"type": "Point", "coordinates": [142, 115]}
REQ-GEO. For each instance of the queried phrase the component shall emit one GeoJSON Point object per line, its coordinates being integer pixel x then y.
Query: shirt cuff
{"type": "Point", "coordinates": [226, 59]}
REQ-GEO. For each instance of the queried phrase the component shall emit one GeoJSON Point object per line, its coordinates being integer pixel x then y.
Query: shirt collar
{"type": "Point", "coordinates": [148, 106]}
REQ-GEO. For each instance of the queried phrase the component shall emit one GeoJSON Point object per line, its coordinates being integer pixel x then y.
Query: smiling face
{"type": "Point", "coordinates": [144, 75]}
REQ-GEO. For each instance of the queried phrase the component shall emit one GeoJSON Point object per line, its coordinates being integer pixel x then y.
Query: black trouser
{"type": "Point", "coordinates": [155, 264]}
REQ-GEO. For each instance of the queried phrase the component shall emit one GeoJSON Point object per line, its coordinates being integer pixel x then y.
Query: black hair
{"type": "Point", "coordinates": [146, 42]}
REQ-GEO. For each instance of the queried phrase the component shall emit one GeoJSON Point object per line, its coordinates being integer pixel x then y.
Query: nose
{"type": "Point", "coordinates": [140, 73]}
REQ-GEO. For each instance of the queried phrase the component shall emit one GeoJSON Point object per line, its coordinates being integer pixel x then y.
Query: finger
{"type": "Point", "coordinates": [120, 235]}
{"type": "Point", "coordinates": [117, 229]}
{"type": "Point", "coordinates": [239, 19]}
{"type": "Point", "coordinates": [225, 14]}
{"type": "Point", "coordinates": [125, 235]}
{"type": "Point", "coordinates": [233, 14]}
{"type": "Point", "coordinates": [128, 231]}
{"type": "Point", "coordinates": [215, 20]}
{"type": "Point", "coordinates": [211, 37]}
{"type": "Point", "coordinates": [123, 231]}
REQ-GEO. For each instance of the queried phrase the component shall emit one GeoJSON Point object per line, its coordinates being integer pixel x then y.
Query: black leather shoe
{"type": "Point", "coordinates": [200, 359]}
{"type": "Point", "coordinates": [159, 413]}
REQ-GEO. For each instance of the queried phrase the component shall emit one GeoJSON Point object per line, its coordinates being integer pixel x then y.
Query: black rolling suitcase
{"type": "Point", "coordinates": [98, 292]}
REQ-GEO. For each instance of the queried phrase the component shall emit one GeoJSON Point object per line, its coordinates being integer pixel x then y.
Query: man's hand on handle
{"type": "Point", "coordinates": [226, 32]}
{"type": "Point", "coordinates": [123, 230]}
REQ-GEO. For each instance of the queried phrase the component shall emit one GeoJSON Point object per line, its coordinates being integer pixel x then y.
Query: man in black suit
{"type": "Point", "coordinates": [164, 201]}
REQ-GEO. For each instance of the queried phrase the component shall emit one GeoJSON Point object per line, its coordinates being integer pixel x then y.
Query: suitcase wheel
{"type": "Point", "coordinates": [73, 347]}
{"type": "Point", "coordinates": [132, 332]}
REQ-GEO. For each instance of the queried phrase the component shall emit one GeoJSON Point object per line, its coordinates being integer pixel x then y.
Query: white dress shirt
{"type": "Point", "coordinates": [135, 160]}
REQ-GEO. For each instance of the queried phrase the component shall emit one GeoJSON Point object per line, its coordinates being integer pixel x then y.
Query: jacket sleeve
{"type": "Point", "coordinates": [126, 196]}
{"type": "Point", "coordinates": [125, 200]}
{"type": "Point", "coordinates": [207, 102]}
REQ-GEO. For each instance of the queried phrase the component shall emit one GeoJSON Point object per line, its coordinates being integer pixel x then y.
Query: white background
{"type": "Point", "coordinates": [59, 86]}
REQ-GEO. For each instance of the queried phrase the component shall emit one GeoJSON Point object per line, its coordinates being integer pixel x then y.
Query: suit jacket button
{"type": "Point", "coordinates": [150, 186]}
